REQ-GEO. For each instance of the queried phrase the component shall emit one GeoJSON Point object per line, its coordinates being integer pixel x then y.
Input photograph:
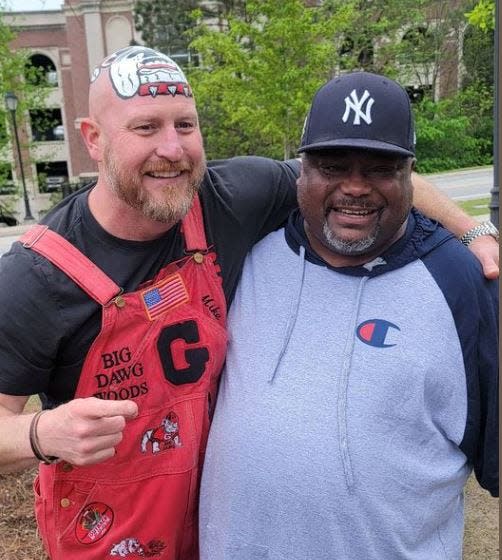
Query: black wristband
{"type": "Point", "coordinates": [35, 444]}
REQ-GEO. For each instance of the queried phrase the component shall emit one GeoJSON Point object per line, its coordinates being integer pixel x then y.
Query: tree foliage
{"type": "Point", "coordinates": [457, 131]}
{"type": "Point", "coordinates": [259, 76]}
{"type": "Point", "coordinates": [163, 23]}
{"type": "Point", "coordinates": [410, 40]}
{"type": "Point", "coordinates": [483, 15]}
{"type": "Point", "coordinates": [17, 75]}
{"type": "Point", "coordinates": [262, 61]}
{"type": "Point", "coordinates": [477, 56]}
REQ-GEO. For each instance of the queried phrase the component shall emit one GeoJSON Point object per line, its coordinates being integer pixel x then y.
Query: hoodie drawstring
{"type": "Point", "coordinates": [293, 312]}
{"type": "Point", "coordinates": [343, 440]}
{"type": "Point", "coordinates": [346, 363]}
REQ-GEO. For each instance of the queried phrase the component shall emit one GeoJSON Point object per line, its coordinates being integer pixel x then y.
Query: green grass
{"type": "Point", "coordinates": [476, 206]}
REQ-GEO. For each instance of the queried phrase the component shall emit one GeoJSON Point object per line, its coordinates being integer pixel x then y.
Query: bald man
{"type": "Point", "coordinates": [114, 310]}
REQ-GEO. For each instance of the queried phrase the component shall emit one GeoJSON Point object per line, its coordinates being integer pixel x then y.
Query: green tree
{"type": "Point", "coordinates": [163, 24]}
{"type": "Point", "coordinates": [261, 62]}
{"type": "Point", "coordinates": [258, 76]}
{"type": "Point", "coordinates": [410, 40]}
{"type": "Point", "coordinates": [455, 132]}
{"type": "Point", "coordinates": [483, 15]}
{"type": "Point", "coordinates": [478, 49]}
{"type": "Point", "coordinates": [17, 75]}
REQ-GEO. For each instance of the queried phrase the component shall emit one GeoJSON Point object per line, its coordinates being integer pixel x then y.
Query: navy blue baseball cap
{"type": "Point", "coordinates": [360, 110]}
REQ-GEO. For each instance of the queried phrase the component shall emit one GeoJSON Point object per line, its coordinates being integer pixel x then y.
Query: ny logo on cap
{"type": "Point", "coordinates": [356, 105]}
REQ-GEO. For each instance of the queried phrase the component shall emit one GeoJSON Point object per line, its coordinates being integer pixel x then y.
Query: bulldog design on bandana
{"type": "Point", "coordinates": [143, 71]}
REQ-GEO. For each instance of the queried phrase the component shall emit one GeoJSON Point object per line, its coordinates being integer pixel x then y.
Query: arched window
{"type": "Point", "coordinates": [419, 45]}
{"type": "Point", "coordinates": [43, 71]}
{"type": "Point", "coordinates": [415, 36]}
{"type": "Point", "coordinates": [356, 55]}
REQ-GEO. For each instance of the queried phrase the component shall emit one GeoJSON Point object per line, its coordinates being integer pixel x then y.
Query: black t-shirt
{"type": "Point", "coordinates": [48, 323]}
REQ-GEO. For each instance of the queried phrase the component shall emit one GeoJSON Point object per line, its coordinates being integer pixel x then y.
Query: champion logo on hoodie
{"type": "Point", "coordinates": [376, 332]}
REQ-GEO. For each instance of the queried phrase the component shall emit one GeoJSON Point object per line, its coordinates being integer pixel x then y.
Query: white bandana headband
{"type": "Point", "coordinates": [143, 71]}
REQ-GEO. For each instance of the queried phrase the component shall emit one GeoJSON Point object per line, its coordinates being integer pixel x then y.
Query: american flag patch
{"type": "Point", "coordinates": [165, 295]}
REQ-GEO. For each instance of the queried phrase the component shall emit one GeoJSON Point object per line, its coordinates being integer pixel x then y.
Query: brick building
{"type": "Point", "coordinates": [67, 44]}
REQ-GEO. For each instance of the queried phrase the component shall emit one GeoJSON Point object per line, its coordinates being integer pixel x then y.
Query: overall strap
{"type": "Point", "coordinates": [193, 228]}
{"type": "Point", "coordinates": [72, 262]}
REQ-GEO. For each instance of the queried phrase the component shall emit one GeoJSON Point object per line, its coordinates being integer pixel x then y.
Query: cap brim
{"type": "Point", "coordinates": [359, 143]}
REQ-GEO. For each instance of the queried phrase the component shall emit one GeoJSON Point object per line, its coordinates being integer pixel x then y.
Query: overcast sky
{"type": "Point", "coordinates": [28, 5]}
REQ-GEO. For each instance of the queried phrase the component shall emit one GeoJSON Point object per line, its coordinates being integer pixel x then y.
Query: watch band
{"type": "Point", "coordinates": [484, 228]}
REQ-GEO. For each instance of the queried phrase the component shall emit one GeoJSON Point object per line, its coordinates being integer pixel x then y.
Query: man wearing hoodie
{"type": "Point", "coordinates": [360, 388]}
{"type": "Point", "coordinates": [114, 309]}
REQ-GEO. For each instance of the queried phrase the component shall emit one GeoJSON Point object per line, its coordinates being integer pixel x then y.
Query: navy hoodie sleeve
{"type": "Point", "coordinates": [473, 301]}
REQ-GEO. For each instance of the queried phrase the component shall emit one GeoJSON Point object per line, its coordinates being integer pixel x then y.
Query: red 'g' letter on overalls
{"type": "Point", "coordinates": [163, 346]}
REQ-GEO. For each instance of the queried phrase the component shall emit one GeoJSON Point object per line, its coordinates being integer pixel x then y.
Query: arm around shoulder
{"type": "Point", "coordinates": [437, 206]}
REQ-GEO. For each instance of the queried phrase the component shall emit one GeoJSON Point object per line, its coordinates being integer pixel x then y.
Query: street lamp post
{"type": "Point", "coordinates": [11, 104]}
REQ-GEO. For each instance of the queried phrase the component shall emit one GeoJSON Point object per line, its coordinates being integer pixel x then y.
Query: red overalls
{"type": "Point", "coordinates": [163, 346]}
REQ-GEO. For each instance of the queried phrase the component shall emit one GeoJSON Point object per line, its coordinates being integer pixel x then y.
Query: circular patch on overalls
{"type": "Point", "coordinates": [94, 522]}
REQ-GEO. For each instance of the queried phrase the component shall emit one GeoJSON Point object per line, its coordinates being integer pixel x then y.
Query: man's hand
{"type": "Point", "coordinates": [84, 431]}
{"type": "Point", "coordinates": [486, 250]}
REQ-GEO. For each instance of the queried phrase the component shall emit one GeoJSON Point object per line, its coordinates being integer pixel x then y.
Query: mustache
{"type": "Point", "coordinates": [166, 167]}
{"type": "Point", "coordinates": [352, 202]}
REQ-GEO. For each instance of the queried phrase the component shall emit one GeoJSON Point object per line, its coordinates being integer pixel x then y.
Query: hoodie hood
{"type": "Point", "coordinates": [422, 236]}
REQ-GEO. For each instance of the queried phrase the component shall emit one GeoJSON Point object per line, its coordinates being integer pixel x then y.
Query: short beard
{"type": "Point", "coordinates": [175, 204]}
{"type": "Point", "coordinates": [346, 247]}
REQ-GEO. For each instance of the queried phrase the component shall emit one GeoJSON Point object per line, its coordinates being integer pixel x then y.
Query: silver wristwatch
{"type": "Point", "coordinates": [484, 228]}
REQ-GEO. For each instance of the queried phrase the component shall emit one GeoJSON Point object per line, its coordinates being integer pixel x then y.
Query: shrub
{"type": "Point", "coordinates": [455, 132]}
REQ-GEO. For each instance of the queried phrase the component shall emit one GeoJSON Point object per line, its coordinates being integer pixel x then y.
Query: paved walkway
{"type": "Point", "coordinates": [14, 231]}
